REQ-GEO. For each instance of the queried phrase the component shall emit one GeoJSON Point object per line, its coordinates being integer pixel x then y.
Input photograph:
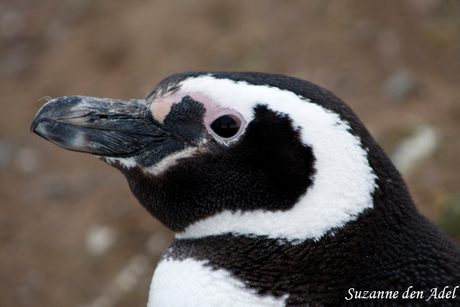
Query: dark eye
{"type": "Point", "coordinates": [226, 126]}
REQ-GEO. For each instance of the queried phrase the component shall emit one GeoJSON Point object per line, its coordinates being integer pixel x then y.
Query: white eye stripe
{"type": "Point", "coordinates": [343, 183]}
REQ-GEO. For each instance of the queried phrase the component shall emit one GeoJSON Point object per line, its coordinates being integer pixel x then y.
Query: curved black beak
{"type": "Point", "coordinates": [100, 126]}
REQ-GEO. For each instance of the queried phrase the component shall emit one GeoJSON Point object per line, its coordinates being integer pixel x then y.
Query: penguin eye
{"type": "Point", "coordinates": [226, 126]}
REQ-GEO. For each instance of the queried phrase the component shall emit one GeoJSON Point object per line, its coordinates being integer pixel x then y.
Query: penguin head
{"type": "Point", "coordinates": [215, 153]}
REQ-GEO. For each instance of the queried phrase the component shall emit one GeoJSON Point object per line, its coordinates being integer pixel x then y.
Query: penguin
{"type": "Point", "coordinates": [277, 194]}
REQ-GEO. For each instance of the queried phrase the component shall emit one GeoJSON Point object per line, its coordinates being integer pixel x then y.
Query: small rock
{"type": "Point", "coordinates": [100, 239]}
{"type": "Point", "coordinates": [421, 145]}
{"type": "Point", "coordinates": [6, 153]}
{"type": "Point", "coordinates": [128, 278]}
{"type": "Point", "coordinates": [11, 24]}
{"type": "Point", "coordinates": [400, 84]}
{"type": "Point", "coordinates": [27, 160]}
{"type": "Point", "coordinates": [125, 281]}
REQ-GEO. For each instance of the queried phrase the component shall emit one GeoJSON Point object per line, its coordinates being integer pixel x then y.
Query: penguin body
{"type": "Point", "coordinates": [277, 193]}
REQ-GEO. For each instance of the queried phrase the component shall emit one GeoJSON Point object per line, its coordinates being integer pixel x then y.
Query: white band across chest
{"type": "Point", "coordinates": [190, 283]}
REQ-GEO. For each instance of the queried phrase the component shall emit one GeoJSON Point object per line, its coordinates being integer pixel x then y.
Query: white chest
{"type": "Point", "coordinates": [189, 283]}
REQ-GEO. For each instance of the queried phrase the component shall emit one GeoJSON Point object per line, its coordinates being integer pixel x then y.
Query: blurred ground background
{"type": "Point", "coordinates": [71, 233]}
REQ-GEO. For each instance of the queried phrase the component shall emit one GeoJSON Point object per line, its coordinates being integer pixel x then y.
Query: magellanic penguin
{"type": "Point", "coordinates": [276, 191]}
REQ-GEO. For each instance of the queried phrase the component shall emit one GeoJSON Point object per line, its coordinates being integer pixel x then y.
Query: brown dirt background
{"type": "Point", "coordinates": [50, 198]}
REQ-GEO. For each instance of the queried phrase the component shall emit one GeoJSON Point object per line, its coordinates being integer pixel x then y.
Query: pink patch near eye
{"type": "Point", "coordinates": [161, 107]}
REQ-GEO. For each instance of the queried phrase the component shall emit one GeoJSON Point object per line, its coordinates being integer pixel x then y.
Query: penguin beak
{"type": "Point", "coordinates": [100, 126]}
